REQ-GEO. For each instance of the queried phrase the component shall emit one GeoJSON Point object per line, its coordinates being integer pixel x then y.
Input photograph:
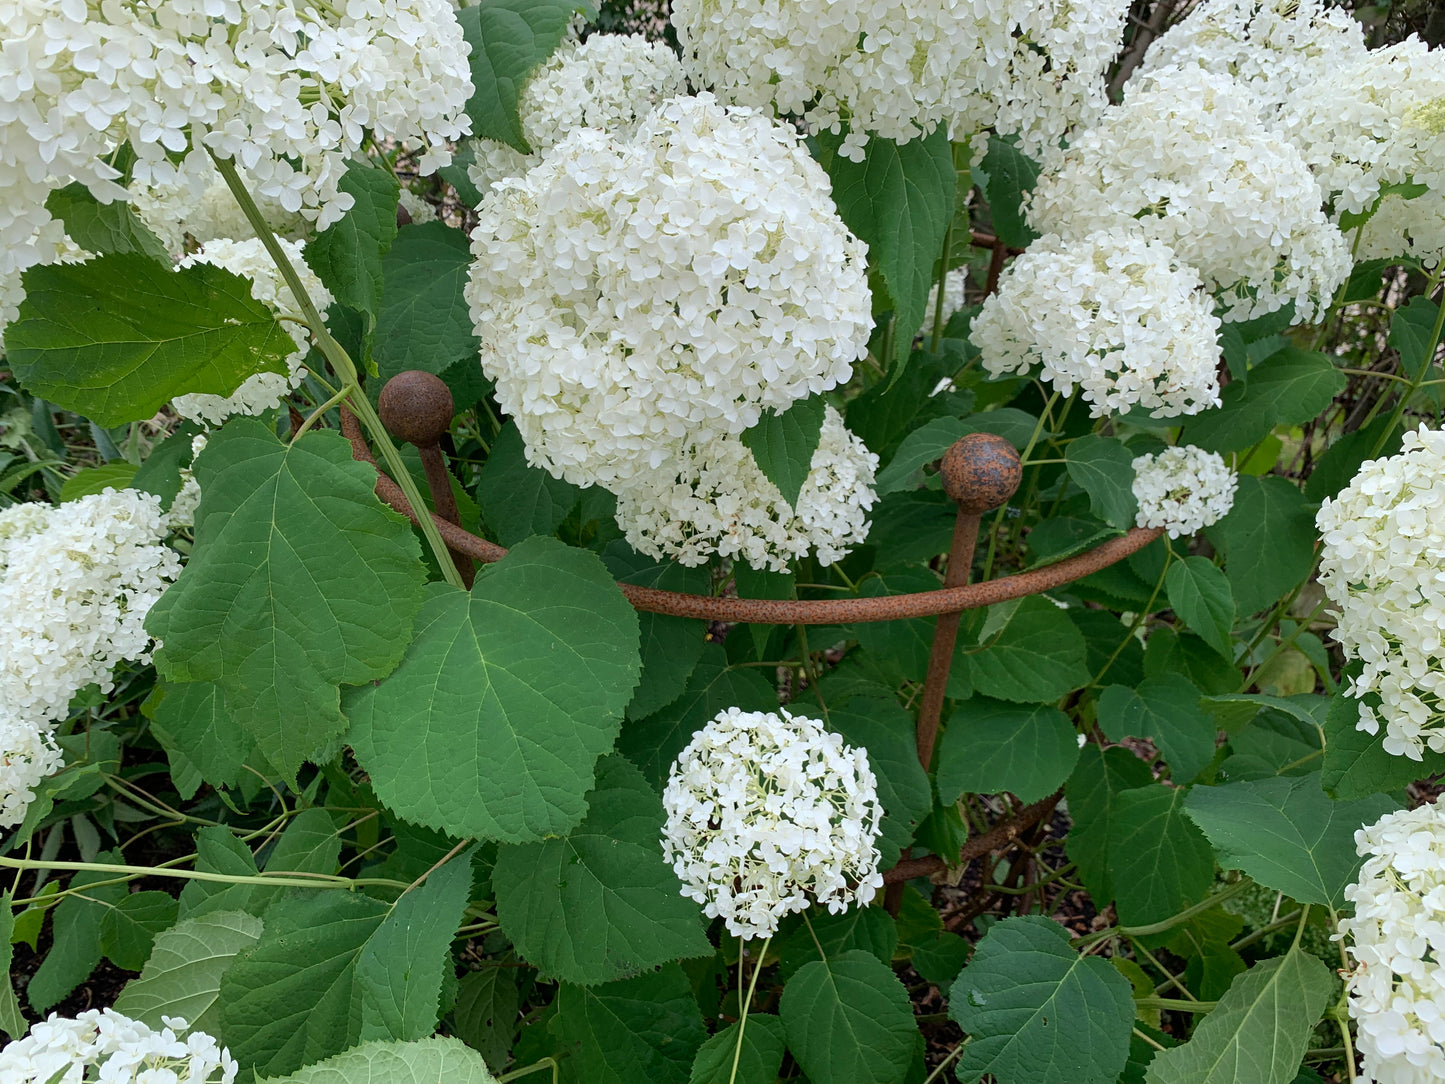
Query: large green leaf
{"type": "Point", "coordinates": [76, 929]}
{"type": "Point", "coordinates": [424, 321]}
{"type": "Point", "coordinates": [1165, 709]}
{"type": "Point", "coordinates": [824, 936]}
{"type": "Point", "coordinates": [758, 1062]}
{"type": "Point", "coordinates": [1011, 175]}
{"type": "Point", "coordinates": [346, 256]}
{"type": "Point", "coordinates": [1093, 792]}
{"type": "Point", "coordinates": [128, 930]}
{"type": "Point", "coordinates": [783, 443]}
{"type": "Point", "coordinates": [848, 1019]}
{"type": "Point", "coordinates": [1412, 333]}
{"type": "Point", "coordinates": [1036, 1012]}
{"type": "Point", "coordinates": [332, 968]}
{"type": "Point", "coordinates": [899, 199]}
{"type": "Point", "coordinates": [885, 729]}
{"type": "Point", "coordinates": [493, 722]}
{"type": "Point", "coordinates": [1287, 834]}
{"type": "Point", "coordinates": [424, 1061]}
{"type": "Point", "coordinates": [1104, 469]}
{"type": "Point", "coordinates": [118, 337]}
{"type": "Point", "coordinates": [12, 1020]}
{"type": "Point", "coordinates": [1159, 862]}
{"type": "Point", "coordinates": [401, 971]}
{"type": "Point", "coordinates": [653, 743]}
{"type": "Point", "coordinates": [486, 1017]}
{"type": "Point", "coordinates": [924, 445]}
{"type": "Point", "coordinates": [1287, 388]}
{"type": "Point", "coordinates": [1037, 657]}
{"type": "Point", "coordinates": [599, 903]}
{"type": "Point", "coordinates": [190, 721]}
{"type": "Point", "coordinates": [517, 499]}
{"type": "Point", "coordinates": [300, 581]}
{"type": "Point", "coordinates": [1356, 764]}
{"type": "Point", "coordinates": [1258, 1032]}
{"type": "Point", "coordinates": [1025, 749]}
{"type": "Point", "coordinates": [1199, 594]}
{"type": "Point", "coordinates": [508, 39]}
{"type": "Point", "coordinates": [1268, 539]}
{"type": "Point", "coordinates": [183, 975]}
{"type": "Point", "coordinates": [643, 1029]}
{"type": "Point", "coordinates": [103, 227]}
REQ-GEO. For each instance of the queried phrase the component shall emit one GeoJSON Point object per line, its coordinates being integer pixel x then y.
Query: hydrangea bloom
{"type": "Point", "coordinates": [76, 584]}
{"type": "Point", "coordinates": [48, 245]}
{"type": "Point", "coordinates": [767, 812]}
{"type": "Point", "coordinates": [1114, 313]}
{"type": "Point", "coordinates": [1187, 160]}
{"type": "Point", "coordinates": [898, 70]}
{"type": "Point", "coordinates": [1383, 566]}
{"type": "Point", "coordinates": [715, 499]}
{"type": "Point", "coordinates": [637, 297]}
{"type": "Point", "coordinates": [610, 81]}
{"type": "Point", "coordinates": [1398, 984]}
{"type": "Point", "coordinates": [287, 91]}
{"type": "Point", "coordinates": [1406, 227]}
{"type": "Point", "coordinates": [263, 391]}
{"type": "Point", "coordinates": [198, 205]}
{"type": "Point", "coordinates": [1275, 47]}
{"type": "Point", "coordinates": [119, 1049]}
{"type": "Point", "coordinates": [1183, 489]}
{"type": "Point", "coordinates": [1377, 121]}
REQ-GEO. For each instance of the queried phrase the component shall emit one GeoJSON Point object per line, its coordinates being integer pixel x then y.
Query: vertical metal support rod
{"type": "Point", "coordinates": [945, 635]}
{"type": "Point", "coordinates": [980, 472]}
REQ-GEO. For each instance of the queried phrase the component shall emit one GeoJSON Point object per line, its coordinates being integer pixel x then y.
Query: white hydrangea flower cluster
{"type": "Point", "coordinates": [263, 391]}
{"type": "Point", "coordinates": [767, 812]}
{"type": "Point", "coordinates": [286, 91]}
{"type": "Point", "coordinates": [198, 204]}
{"type": "Point", "coordinates": [1187, 160]}
{"type": "Point", "coordinates": [897, 70]}
{"type": "Point", "coordinates": [1398, 932]}
{"type": "Point", "coordinates": [182, 513]}
{"type": "Point", "coordinates": [1378, 121]}
{"type": "Point", "coordinates": [1277, 48]}
{"type": "Point", "coordinates": [1401, 227]}
{"type": "Point", "coordinates": [610, 81]}
{"type": "Point", "coordinates": [1113, 313]}
{"type": "Point", "coordinates": [638, 297]}
{"type": "Point", "coordinates": [117, 1050]}
{"type": "Point", "coordinates": [1383, 566]}
{"type": "Point", "coordinates": [1182, 489]}
{"type": "Point", "coordinates": [76, 583]}
{"type": "Point", "coordinates": [716, 500]}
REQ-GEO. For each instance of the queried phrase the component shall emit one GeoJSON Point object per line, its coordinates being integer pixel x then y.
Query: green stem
{"type": "Point", "coordinates": [1169, 923]}
{"type": "Point", "coordinates": [955, 1052]}
{"type": "Point", "coordinates": [290, 879]}
{"type": "Point", "coordinates": [937, 336]}
{"type": "Point", "coordinates": [1003, 509]}
{"type": "Point", "coordinates": [1138, 620]}
{"type": "Point", "coordinates": [743, 1017]}
{"type": "Point", "coordinates": [545, 1063]}
{"type": "Point", "coordinates": [345, 369]}
{"type": "Point", "coordinates": [320, 412]}
{"type": "Point", "coordinates": [1173, 1004]}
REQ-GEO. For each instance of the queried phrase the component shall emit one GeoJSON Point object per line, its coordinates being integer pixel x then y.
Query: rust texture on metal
{"type": "Point", "coordinates": [830, 611]}
{"type": "Point", "coordinates": [1000, 835]}
{"type": "Point", "coordinates": [980, 472]}
{"type": "Point", "coordinates": [416, 406]}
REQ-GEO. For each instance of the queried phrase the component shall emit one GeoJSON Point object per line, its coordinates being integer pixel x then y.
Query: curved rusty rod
{"type": "Point", "coordinates": [1000, 835]}
{"type": "Point", "coordinates": [826, 611]}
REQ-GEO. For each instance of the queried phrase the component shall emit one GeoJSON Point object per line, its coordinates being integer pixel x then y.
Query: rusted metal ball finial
{"type": "Point", "coordinates": [981, 472]}
{"type": "Point", "coordinates": [416, 406]}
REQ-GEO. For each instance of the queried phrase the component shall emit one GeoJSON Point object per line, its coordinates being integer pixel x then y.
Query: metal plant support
{"type": "Point", "coordinates": [980, 472]}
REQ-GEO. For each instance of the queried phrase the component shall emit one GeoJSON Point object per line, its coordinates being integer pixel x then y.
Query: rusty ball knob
{"type": "Point", "coordinates": [981, 472]}
{"type": "Point", "coordinates": [416, 406]}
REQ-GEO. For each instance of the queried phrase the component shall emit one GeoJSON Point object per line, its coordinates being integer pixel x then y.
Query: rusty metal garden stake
{"type": "Point", "coordinates": [980, 472]}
